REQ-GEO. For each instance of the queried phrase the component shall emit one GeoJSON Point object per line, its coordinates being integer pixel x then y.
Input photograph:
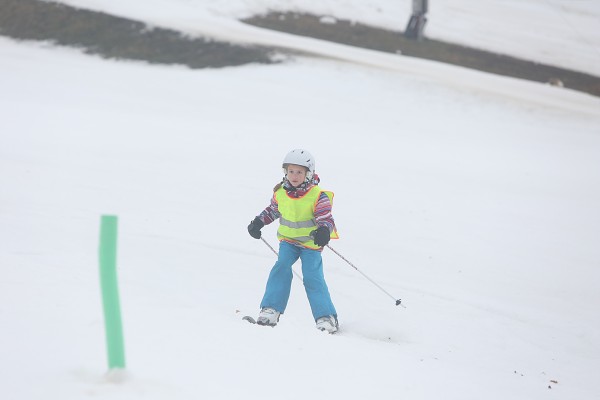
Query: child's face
{"type": "Point", "coordinates": [296, 174]}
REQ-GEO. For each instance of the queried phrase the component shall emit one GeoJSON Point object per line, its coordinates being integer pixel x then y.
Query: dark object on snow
{"type": "Point", "coordinates": [416, 23]}
{"type": "Point", "coordinates": [114, 37]}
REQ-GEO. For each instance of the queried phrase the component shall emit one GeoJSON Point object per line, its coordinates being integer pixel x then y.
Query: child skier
{"type": "Point", "coordinates": [306, 225]}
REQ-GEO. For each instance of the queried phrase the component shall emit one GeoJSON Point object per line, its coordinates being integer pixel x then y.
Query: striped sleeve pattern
{"type": "Point", "coordinates": [323, 214]}
{"type": "Point", "coordinates": [271, 213]}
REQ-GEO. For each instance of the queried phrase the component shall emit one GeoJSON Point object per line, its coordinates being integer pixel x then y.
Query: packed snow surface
{"type": "Point", "coordinates": [472, 197]}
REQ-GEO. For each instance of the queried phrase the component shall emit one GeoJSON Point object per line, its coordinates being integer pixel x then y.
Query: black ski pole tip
{"type": "Point", "coordinates": [398, 302]}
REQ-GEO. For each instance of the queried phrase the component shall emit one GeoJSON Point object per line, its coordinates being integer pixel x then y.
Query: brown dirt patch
{"type": "Point", "coordinates": [119, 38]}
{"type": "Point", "coordinates": [359, 35]}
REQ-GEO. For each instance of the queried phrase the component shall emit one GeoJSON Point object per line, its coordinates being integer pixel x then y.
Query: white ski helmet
{"type": "Point", "coordinates": [300, 157]}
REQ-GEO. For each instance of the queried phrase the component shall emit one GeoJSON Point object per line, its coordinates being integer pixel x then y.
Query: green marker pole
{"type": "Point", "coordinates": [110, 292]}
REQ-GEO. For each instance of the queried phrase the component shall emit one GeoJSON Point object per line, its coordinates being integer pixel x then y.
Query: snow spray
{"type": "Point", "coordinates": [110, 292]}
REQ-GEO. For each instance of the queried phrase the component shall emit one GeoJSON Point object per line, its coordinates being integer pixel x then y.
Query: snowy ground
{"type": "Point", "coordinates": [477, 206]}
{"type": "Point", "coordinates": [563, 33]}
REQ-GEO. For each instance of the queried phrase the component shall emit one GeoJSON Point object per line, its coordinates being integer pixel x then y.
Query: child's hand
{"type": "Point", "coordinates": [255, 227]}
{"type": "Point", "coordinates": [321, 236]}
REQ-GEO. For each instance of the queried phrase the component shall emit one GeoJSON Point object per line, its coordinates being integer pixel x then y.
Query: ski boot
{"type": "Point", "coordinates": [328, 323]}
{"type": "Point", "coordinates": [268, 316]}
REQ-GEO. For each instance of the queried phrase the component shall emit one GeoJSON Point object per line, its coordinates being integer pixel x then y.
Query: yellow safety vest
{"type": "Point", "coordinates": [297, 219]}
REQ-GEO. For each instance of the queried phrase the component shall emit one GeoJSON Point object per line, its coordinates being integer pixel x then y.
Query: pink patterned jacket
{"type": "Point", "coordinates": [323, 215]}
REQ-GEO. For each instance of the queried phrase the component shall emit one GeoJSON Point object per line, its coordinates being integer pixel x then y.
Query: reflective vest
{"type": "Point", "coordinates": [297, 219]}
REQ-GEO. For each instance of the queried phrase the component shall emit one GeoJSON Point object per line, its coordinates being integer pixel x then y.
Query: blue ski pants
{"type": "Point", "coordinates": [279, 283]}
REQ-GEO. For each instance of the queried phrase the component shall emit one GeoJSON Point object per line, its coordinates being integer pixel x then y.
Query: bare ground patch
{"type": "Point", "coordinates": [121, 38]}
{"type": "Point", "coordinates": [355, 34]}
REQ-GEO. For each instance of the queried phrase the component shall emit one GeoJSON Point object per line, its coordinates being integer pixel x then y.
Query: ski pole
{"type": "Point", "coordinates": [398, 302]}
{"type": "Point", "coordinates": [269, 246]}
{"type": "Point", "coordinates": [277, 254]}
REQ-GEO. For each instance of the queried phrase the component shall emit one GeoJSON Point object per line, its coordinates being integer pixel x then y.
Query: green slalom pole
{"type": "Point", "coordinates": [110, 292]}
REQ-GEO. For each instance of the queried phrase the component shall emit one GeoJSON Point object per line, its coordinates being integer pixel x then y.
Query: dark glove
{"type": "Point", "coordinates": [255, 227]}
{"type": "Point", "coordinates": [321, 236]}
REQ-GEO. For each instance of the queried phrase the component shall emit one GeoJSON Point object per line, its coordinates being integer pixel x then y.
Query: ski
{"type": "Point", "coordinates": [253, 321]}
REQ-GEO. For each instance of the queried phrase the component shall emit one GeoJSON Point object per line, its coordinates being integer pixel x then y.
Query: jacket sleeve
{"type": "Point", "coordinates": [271, 213]}
{"type": "Point", "coordinates": [323, 215]}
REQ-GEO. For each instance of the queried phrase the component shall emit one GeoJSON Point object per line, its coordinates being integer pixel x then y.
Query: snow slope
{"type": "Point", "coordinates": [563, 33]}
{"type": "Point", "coordinates": [480, 210]}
